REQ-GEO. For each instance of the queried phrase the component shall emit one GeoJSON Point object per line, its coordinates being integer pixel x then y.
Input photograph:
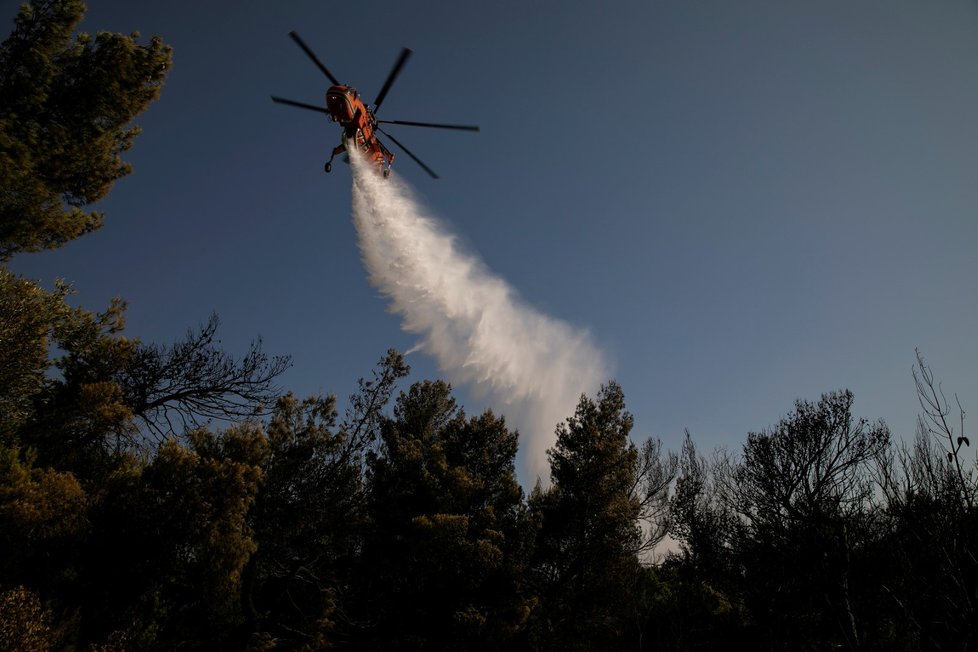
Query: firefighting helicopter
{"type": "Point", "coordinates": [359, 121]}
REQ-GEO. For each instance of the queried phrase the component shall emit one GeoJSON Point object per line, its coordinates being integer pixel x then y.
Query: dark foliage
{"type": "Point", "coordinates": [253, 520]}
{"type": "Point", "coordinates": [65, 110]}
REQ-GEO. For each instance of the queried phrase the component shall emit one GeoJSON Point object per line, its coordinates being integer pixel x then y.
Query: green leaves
{"type": "Point", "coordinates": [65, 112]}
{"type": "Point", "coordinates": [443, 555]}
{"type": "Point", "coordinates": [585, 558]}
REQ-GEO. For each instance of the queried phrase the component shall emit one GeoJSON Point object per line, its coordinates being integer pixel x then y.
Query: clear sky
{"type": "Point", "coordinates": [744, 203]}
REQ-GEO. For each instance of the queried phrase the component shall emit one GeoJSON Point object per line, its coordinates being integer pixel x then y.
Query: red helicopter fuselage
{"type": "Point", "coordinates": [359, 121]}
{"type": "Point", "coordinates": [359, 124]}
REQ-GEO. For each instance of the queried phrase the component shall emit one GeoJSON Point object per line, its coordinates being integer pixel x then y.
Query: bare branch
{"type": "Point", "coordinates": [654, 475]}
{"type": "Point", "coordinates": [934, 422]}
{"type": "Point", "coordinates": [193, 381]}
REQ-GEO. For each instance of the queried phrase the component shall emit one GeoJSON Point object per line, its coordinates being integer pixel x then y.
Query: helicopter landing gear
{"type": "Point", "coordinates": [339, 149]}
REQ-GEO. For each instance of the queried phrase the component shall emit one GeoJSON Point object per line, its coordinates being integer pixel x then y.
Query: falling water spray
{"type": "Point", "coordinates": [471, 321]}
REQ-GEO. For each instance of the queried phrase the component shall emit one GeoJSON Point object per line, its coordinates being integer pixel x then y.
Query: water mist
{"type": "Point", "coordinates": [531, 366]}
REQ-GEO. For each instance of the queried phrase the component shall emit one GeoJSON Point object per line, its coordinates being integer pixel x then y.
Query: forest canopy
{"type": "Point", "coordinates": [155, 497]}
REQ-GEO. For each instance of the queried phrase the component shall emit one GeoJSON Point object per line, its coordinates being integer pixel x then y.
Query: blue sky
{"type": "Point", "coordinates": [743, 203]}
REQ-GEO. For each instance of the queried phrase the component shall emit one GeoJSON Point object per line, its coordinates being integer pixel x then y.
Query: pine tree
{"type": "Point", "coordinates": [65, 111]}
{"type": "Point", "coordinates": [311, 511]}
{"type": "Point", "coordinates": [443, 560]}
{"type": "Point", "coordinates": [585, 560]}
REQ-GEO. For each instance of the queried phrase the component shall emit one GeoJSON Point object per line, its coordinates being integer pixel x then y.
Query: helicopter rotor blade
{"type": "Point", "coordinates": [408, 152]}
{"type": "Point", "coordinates": [315, 60]}
{"type": "Point", "coordinates": [395, 71]}
{"type": "Point", "coordinates": [301, 105]}
{"type": "Point", "coordinates": [429, 124]}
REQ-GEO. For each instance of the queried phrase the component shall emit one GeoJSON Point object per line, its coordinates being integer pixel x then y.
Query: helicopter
{"type": "Point", "coordinates": [359, 121]}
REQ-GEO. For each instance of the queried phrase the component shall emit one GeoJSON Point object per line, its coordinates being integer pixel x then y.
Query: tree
{"type": "Point", "coordinates": [698, 519]}
{"type": "Point", "coordinates": [72, 468]}
{"type": "Point", "coordinates": [800, 492]}
{"type": "Point", "coordinates": [23, 622]}
{"type": "Point", "coordinates": [933, 422]}
{"type": "Point", "coordinates": [655, 471]}
{"type": "Point", "coordinates": [444, 553]}
{"type": "Point", "coordinates": [164, 561]}
{"type": "Point", "coordinates": [311, 511]}
{"type": "Point", "coordinates": [931, 492]}
{"type": "Point", "coordinates": [178, 388]}
{"type": "Point", "coordinates": [699, 588]}
{"type": "Point", "coordinates": [29, 317]}
{"type": "Point", "coordinates": [586, 551]}
{"type": "Point", "coordinates": [65, 111]}
{"type": "Point", "coordinates": [68, 407]}
{"type": "Point", "coordinates": [43, 520]}
{"type": "Point", "coordinates": [75, 388]}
